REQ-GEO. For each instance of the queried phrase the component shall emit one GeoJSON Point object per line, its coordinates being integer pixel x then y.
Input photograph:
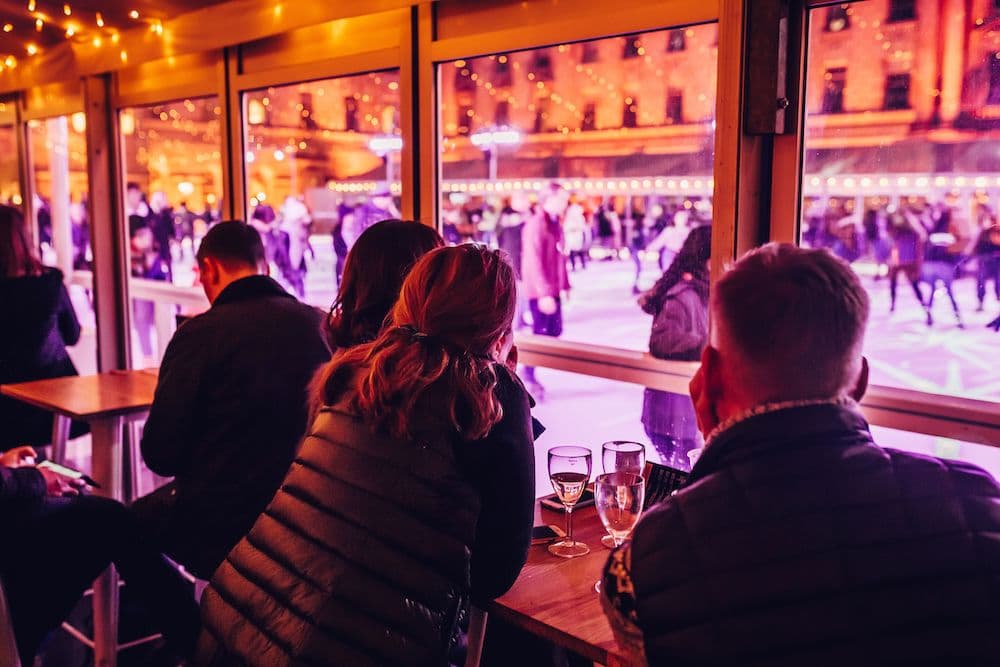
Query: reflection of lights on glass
{"type": "Point", "coordinates": [79, 122]}
{"type": "Point", "coordinates": [488, 138]}
{"type": "Point", "coordinates": [279, 155]}
{"type": "Point", "coordinates": [16, 200]}
{"type": "Point", "coordinates": [134, 14]}
{"type": "Point", "coordinates": [385, 144]}
{"type": "Point", "coordinates": [99, 19]}
{"type": "Point", "coordinates": [186, 188]}
{"type": "Point", "coordinates": [261, 196]}
{"type": "Point", "coordinates": [256, 113]}
{"type": "Point", "coordinates": [7, 27]}
{"type": "Point", "coordinates": [126, 122]}
{"type": "Point", "coordinates": [96, 42]}
{"type": "Point", "coordinates": [210, 198]}
{"type": "Point", "coordinates": [253, 201]}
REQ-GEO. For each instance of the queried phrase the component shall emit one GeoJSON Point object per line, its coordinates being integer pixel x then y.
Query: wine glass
{"type": "Point", "coordinates": [619, 497]}
{"type": "Point", "coordinates": [622, 456]}
{"type": "Point", "coordinates": [569, 472]}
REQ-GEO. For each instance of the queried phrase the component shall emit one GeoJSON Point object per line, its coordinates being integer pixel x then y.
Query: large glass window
{"type": "Point", "coordinates": [663, 422]}
{"type": "Point", "coordinates": [10, 187]}
{"type": "Point", "coordinates": [621, 132]}
{"type": "Point", "coordinates": [905, 185]}
{"type": "Point", "coordinates": [173, 184]}
{"type": "Point", "coordinates": [322, 165]}
{"type": "Point", "coordinates": [58, 154]}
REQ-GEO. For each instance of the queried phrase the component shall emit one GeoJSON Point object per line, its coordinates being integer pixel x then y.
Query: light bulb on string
{"type": "Point", "coordinates": [67, 10]}
{"type": "Point", "coordinates": [31, 5]}
{"type": "Point", "coordinates": [31, 49]}
{"type": "Point", "coordinates": [7, 27]}
{"type": "Point", "coordinates": [134, 14]}
{"type": "Point", "coordinates": [39, 24]}
{"type": "Point", "coordinates": [99, 20]}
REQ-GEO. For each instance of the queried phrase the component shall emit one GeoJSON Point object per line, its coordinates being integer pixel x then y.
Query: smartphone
{"type": "Point", "coordinates": [68, 472]}
{"type": "Point", "coordinates": [545, 534]}
{"type": "Point", "coordinates": [552, 502]}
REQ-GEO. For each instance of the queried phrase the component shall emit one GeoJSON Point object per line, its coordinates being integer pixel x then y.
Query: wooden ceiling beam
{"type": "Point", "coordinates": [212, 27]}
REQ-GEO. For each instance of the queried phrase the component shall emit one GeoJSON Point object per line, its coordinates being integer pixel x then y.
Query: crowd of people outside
{"type": "Point", "coordinates": [350, 485]}
{"type": "Point", "coordinates": [929, 243]}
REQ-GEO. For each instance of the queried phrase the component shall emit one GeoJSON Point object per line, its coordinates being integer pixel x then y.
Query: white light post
{"type": "Point", "coordinates": [489, 139]}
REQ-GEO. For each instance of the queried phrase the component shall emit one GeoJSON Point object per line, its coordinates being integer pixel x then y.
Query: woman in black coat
{"type": "Point", "coordinates": [39, 322]}
{"type": "Point", "coordinates": [412, 496]}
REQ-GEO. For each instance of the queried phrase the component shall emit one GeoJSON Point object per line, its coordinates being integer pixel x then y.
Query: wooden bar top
{"type": "Point", "coordinates": [554, 598]}
{"type": "Point", "coordinates": [89, 396]}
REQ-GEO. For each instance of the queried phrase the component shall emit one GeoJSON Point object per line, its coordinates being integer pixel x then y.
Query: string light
{"type": "Point", "coordinates": [134, 14]}
{"type": "Point", "coordinates": [70, 30]}
{"type": "Point", "coordinates": [67, 10]}
{"type": "Point", "coordinates": [31, 49]}
{"type": "Point", "coordinates": [31, 5]}
{"type": "Point", "coordinates": [7, 27]}
{"type": "Point", "coordinates": [100, 20]}
{"type": "Point", "coordinates": [39, 24]}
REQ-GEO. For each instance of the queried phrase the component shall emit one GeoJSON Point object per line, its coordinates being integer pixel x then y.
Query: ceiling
{"type": "Point", "coordinates": [18, 27]}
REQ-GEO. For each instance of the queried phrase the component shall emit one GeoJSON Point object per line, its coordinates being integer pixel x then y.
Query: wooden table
{"type": "Point", "coordinates": [106, 401]}
{"type": "Point", "coordinates": [555, 599]}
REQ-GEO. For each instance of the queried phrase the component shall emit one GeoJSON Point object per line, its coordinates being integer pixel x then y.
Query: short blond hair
{"type": "Point", "coordinates": [795, 320]}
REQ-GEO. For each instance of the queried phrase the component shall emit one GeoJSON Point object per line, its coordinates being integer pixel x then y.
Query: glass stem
{"type": "Point", "coordinates": [569, 523]}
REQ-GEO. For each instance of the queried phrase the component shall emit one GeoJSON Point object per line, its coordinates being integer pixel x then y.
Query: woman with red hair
{"type": "Point", "coordinates": [412, 497]}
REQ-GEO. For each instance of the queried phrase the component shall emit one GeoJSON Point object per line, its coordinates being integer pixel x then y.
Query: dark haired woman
{"type": "Point", "coordinates": [412, 496]}
{"type": "Point", "coordinates": [373, 274]}
{"type": "Point", "coordinates": [678, 303]}
{"type": "Point", "coordinates": [39, 322]}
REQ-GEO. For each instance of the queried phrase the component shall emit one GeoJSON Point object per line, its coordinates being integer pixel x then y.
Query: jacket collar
{"type": "Point", "coordinates": [251, 287]}
{"type": "Point", "coordinates": [782, 425]}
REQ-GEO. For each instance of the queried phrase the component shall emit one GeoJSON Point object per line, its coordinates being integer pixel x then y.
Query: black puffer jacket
{"type": "Point", "coordinates": [38, 324]}
{"type": "Point", "coordinates": [372, 548]}
{"type": "Point", "coordinates": [798, 541]}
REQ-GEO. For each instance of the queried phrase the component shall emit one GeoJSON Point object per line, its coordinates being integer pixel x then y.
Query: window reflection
{"type": "Point", "coordinates": [615, 411]}
{"type": "Point", "coordinates": [58, 153]}
{"type": "Point", "coordinates": [322, 165]}
{"type": "Point", "coordinates": [902, 179]}
{"type": "Point", "coordinates": [624, 126]}
{"type": "Point", "coordinates": [10, 187]}
{"type": "Point", "coordinates": [173, 184]}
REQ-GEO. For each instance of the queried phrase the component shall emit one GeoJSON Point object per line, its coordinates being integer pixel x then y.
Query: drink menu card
{"type": "Point", "coordinates": [661, 482]}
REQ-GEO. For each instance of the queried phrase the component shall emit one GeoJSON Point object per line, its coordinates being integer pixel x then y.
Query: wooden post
{"type": "Point", "coordinates": [107, 230]}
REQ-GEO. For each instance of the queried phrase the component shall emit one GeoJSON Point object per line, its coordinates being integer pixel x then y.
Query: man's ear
{"type": "Point", "coordinates": [861, 386]}
{"type": "Point", "coordinates": [208, 269]}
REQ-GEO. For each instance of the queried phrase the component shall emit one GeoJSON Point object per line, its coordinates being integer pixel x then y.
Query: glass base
{"type": "Point", "coordinates": [567, 549]}
{"type": "Point", "coordinates": [608, 541]}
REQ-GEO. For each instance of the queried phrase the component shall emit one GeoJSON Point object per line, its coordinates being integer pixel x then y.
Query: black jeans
{"type": "Point", "coordinates": [53, 550]}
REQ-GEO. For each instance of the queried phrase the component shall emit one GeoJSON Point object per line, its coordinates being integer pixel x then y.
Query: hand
{"type": "Point", "coordinates": [547, 305]}
{"type": "Point", "coordinates": [60, 485]}
{"type": "Point", "coordinates": [17, 457]}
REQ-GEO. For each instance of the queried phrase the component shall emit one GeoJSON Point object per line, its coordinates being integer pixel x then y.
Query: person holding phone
{"type": "Point", "coordinates": [54, 541]}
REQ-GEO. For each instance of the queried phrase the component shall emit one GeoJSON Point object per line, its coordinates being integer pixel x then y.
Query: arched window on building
{"type": "Point", "coordinates": [897, 91]}
{"type": "Point", "coordinates": [589, 117]}
{"type": "Point", "coordinates": [675, 106]}
{"type": "Point", "coordinates": [630, 112]}
{"type": "Point", "coordinates": [902, 10]}
{"type": "Point", "coordinates": [833, 94]}
{"type": "Point", "coordinates": [676, 41]}
{"type": "Point", "coordinates": [542, 65]}
{"type": "Point", "coordinates": [837, 19]}
{"type": "Point", "coordinates": [633, 46]}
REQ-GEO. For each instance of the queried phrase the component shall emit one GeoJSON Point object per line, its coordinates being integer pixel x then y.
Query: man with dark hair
{"type": "Point", "coordinates": [797, 540]}
{"type": "Point", "coordinates": [230, 404]}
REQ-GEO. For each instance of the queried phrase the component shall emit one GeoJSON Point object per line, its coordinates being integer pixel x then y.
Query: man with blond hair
{"type": "Point", "coordinates": [797, 540]}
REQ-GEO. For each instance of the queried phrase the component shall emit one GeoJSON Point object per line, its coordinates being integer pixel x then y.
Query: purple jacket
{"type": "Point", "coordinates": [543, 265]}
{"type": "Point", "coordinates": [798, 541]}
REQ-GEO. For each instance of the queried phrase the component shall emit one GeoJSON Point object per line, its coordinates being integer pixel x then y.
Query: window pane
{"type": "Point", "coordinates": [322, 165]}
{"type": "Point", "coordinates": [984, 456]}
{"type": "Point", "coordinates": [613, 411]}
{"type": "Point", "coordinates": [58, 154]}
{"type": "Point", "coordinates": [173, 182]}
{"type": "Point", "coordinates": [10, 187]}
{"type": "Point", "coordinates": [625, 125]}
{"type": "Point", "coordinates": [902, 179]}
